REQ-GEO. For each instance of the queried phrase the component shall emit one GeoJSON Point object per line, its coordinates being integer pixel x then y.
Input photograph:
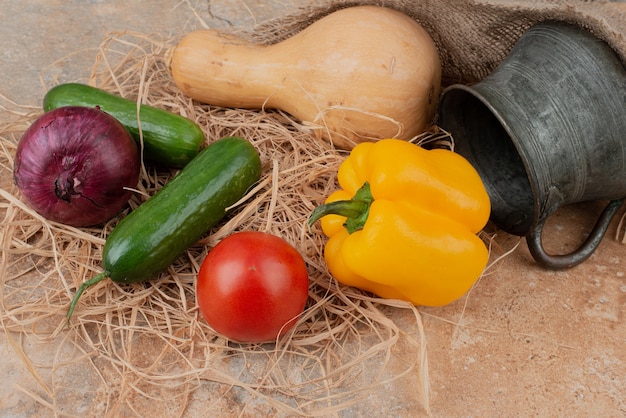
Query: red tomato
{"type": "Point", "coordinates": [252, 286]}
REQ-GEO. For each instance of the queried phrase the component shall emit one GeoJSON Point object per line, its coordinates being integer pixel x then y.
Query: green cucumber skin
{"type": "Point", "coordinates": [161, 229]}
{"type": "Point", "coordinates": [168, 139]}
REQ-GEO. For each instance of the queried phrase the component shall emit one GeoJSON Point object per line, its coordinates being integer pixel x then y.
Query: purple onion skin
{"type": "Point", "coordinates": [73, 164]}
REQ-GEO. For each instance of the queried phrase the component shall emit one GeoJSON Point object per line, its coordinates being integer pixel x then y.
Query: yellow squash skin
{"type": "Point", "coordinates": [357, 74]}
{"type": "Point", "coordinates": [419, 240]}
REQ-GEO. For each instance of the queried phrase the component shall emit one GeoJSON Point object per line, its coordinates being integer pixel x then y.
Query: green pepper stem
{"type": "Point", "coordinates": [81, 289]}
{"type": "Point", "coordinates": [356, 210]}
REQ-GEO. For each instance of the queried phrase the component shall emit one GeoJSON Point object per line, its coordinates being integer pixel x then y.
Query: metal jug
{"type": "Point", "coordinates": [546, 129]}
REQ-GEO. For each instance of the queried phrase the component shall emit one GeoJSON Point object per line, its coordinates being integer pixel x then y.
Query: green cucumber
{"type": "Point", "coordinates": [159, 231]}
{"type": "Point", "coordinates": [168, 139]}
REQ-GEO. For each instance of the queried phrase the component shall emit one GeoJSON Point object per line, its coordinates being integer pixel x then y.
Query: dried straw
{"type": "Point", "coordinates": [146, 344]}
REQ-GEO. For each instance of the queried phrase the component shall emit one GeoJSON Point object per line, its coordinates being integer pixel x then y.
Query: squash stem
{"type": "Point", "coordinates": [81, 289]}
{"type": "Point", "coordinates": [356, 210]}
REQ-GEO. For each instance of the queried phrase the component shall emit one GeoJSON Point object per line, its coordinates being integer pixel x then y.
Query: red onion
{"type": "Point", "coordinates": [73, 164]}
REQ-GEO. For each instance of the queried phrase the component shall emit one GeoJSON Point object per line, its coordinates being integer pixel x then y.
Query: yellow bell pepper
{"type": "Point", "coordinates": [404, 224]}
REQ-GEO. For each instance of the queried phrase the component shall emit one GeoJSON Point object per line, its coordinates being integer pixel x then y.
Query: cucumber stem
{"type": "Point", "coordinates": [81, 289]}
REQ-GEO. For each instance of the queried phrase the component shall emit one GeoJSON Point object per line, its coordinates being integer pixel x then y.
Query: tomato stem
{"type": "Point", "coordinates": [81, 289]}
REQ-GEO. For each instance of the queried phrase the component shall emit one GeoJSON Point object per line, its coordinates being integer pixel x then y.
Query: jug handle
{"type": "Point", "coordinates": [559, 262]}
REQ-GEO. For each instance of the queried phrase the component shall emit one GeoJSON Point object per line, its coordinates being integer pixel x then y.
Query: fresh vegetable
{"type": "Point", "coordinates": [359, 73]}
{"type": "Point", "coordinates": [404, 223]}
{"type": "Point", "coordinates": [155, 234]}
{"type": "Point", "coordinates": [168, 139]}
{"type": "Point", "coordinates": [252, 287]}
{"type": "Point", "coordinates": [76, 165]}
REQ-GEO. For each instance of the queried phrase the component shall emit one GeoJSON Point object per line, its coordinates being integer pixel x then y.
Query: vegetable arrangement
{"type": "Point", "coordinates": [75, 166]}
{"type": "Point", "coordinates": [404, 223]}
{"type": "Point", "coordinates": [359, 73]}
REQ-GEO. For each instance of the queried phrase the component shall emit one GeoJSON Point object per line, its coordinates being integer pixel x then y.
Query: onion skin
{"type": "Point", "coordinates": [73, 165]}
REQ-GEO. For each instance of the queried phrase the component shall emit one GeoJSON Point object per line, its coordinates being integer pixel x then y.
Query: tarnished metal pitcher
{"type": "Point", "coordinates": [546, 129]}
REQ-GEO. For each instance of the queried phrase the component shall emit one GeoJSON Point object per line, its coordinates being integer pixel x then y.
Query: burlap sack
{"type": "Point", "coordinates": [473, 36]}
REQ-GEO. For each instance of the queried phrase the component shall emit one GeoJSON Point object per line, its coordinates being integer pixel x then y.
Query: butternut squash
{"type": "Point", "coordinates": [360, 73]}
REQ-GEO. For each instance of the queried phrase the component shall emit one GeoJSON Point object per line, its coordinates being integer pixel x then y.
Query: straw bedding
{"type": "Point", "coordinates": [149, 339]}
{"type": "Point", "coordinates": [146, 344]}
